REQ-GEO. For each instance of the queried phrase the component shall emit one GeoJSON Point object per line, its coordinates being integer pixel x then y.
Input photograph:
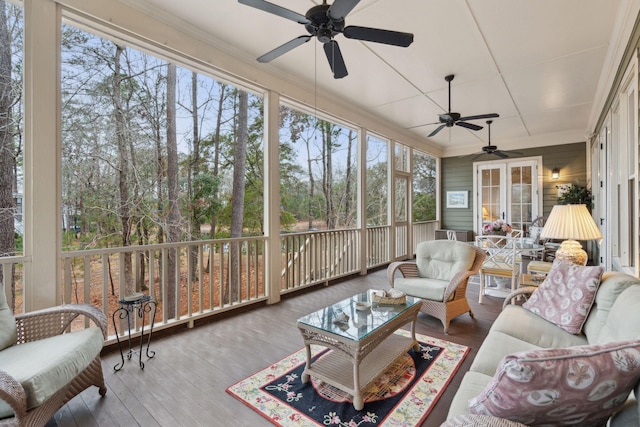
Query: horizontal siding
{"type": "Point", "coordinates": [457, 175]}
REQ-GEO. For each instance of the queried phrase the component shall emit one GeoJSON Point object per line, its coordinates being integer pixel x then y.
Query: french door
{"type": "Point", "coordinates": [507, 190]}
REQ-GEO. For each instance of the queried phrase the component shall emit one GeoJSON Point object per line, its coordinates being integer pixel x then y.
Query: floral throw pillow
{"type": "Point", "coordinates": [566, 295]}
{"type": "Point", "coordinates": [574, 386]}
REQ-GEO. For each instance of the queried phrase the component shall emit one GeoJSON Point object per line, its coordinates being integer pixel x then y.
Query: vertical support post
{"type": "Point", "coordinates": [272, 197]}
{"type": "Point", "coordinates": [362, 201]}
{"type": "Point", "coordinates": [42, 153]}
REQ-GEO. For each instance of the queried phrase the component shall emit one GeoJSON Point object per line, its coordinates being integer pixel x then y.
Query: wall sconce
{"type": "Point", "coordinates": [555, 173]}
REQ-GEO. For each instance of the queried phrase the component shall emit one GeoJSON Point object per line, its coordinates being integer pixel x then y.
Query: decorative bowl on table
{"type": "Point", "coordinates": [392, 296]}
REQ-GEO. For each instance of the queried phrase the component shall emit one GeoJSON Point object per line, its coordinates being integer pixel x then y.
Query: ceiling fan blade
{"type": "Point", "coordinates": [336, 62]}
{"type": "Point", "coordinates": [468, 125]}
{"type": "Point", "coordinates": [478, 156]}
{"type": "Point", "coordinates": [438, 129]}
{"type": "Point", "coordinates": [425, 124]}
{"type": "Point", "coordinates": [480, 116]}
{"type": "Point", "coordinates": [512, 153]}
{"type": "Point", "coordinates": [276, 10]}
{"type": "Point", "coordinates": [341, 8]}
{"type": "Point", "coordinates": [280, 50]}
{"type": "Point", "coordinates": [500, 154]}
{"type": "Point", "coordinates": [377, 35]}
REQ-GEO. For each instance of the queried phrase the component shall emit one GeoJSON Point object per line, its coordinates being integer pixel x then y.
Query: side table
{"type": "Point", "coordinates": [136, 304]}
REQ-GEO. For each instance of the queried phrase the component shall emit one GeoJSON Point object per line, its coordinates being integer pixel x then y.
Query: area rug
{"type": "Point", "coordinates": [403, 396]}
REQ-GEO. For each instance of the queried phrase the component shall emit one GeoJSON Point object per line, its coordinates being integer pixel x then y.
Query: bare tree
{"type": "Point", "coordinates": [172, 193]}
{"type": "Point", "coordinates": [124, 211]}
{"type": "Point", "coordinates": [237, 195]}
{"type": "Point", "coordinates": [216, 154]}
{"type": "Point", "coordinates": [327, 175]}
{"type": "Point", "coordinates": [7, 160]}
{"type": "Point", "coordinates": [348, 214]}
{"type": "Point", "coordinates": [194, 170]}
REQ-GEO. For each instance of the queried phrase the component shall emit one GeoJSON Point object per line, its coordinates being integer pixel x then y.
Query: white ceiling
{"type": "Point", "coordinates": [539, 64]}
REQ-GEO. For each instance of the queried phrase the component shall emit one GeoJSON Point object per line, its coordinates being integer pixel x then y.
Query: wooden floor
{"type": "Point", "coordinates": [184, 385]}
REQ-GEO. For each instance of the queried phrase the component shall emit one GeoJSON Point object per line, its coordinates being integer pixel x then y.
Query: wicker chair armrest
{"type": "Point", "coordinates": [408, 269]}
{"type": "Point", "coordinates": [524, 291]}
{"type": "Point", "coordinates": [480, 421]}
{"type": "Point", "coordinates": [52, 321]}
{"type": "Point", "coordinates": [459, 279]}
{"type": "Point", "coordinates": [12, 392]}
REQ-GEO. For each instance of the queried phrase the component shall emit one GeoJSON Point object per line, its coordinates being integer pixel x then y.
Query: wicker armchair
{"type": "Point", "coordinates": [439, 277]}
{"type": "Point", "coordinates": [50, 324]}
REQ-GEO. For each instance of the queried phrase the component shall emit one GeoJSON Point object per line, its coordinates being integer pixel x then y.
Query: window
{"type": "Point", "coordinates": [377, 181]}
{"type": "Point", "coordinates": [149, 148]}
{"type": "Point", "coordinates": [11, 130]}
{"type": "Point", "coordinates": [424, 187]}
{"type": "Point", "coordinates": [318, 173]}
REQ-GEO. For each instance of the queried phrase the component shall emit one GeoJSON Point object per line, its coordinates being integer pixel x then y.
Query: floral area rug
{"type": "Point", "coordinates": [403, 396]}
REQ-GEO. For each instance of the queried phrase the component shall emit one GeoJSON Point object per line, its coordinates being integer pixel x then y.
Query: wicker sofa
{"type": "Point", "coordinates": [43, 365]}
{"type": "Point", "coordinates": [613, 318]}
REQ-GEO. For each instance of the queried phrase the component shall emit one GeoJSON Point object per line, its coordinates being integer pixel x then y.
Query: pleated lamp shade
{"type": "Point", "coordinates": [571, 222]}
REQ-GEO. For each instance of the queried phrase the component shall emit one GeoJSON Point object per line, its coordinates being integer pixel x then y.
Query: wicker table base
{"type": "Point", "coordinates": [357, 360]}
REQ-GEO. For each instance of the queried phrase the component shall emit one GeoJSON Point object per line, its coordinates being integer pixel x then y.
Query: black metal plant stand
{"type": "Point", "coordinates": [138, 305]}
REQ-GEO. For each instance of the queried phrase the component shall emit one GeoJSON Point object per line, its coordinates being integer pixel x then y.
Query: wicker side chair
{"type": "Point", "coordinates": [439, 276]}
{"type": "Point", "coordinates": [37, 332]}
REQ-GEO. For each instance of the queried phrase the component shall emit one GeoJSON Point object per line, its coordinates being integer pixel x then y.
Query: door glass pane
{"type": "Point", "coordinates": [490, 195]}
{"type": "Point", "coordinates": [401, 200]}
{"type": "Point", "coordinates": [521, 197]}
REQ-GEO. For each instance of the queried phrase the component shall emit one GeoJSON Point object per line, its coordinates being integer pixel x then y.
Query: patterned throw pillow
{"type": "Point", "coordinates": [566, 295]}
{"type": "Point", "coordinates": [574, 386]}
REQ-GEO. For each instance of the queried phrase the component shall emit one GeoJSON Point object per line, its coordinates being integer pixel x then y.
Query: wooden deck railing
{"type": "Point", "coordinates": [11, 280]}
{"type": "Point", "coordinates": [206, 280]}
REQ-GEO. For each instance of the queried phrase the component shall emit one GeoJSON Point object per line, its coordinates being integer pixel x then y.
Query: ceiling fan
{"type": "Point", "coordinates": [492, 149]}
{"type": "Point", "coordinates": [449, 119]}
{"type": "Point", "coordinates": [324, 22]}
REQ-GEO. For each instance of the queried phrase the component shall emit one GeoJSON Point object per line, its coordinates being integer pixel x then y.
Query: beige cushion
{"type": "Point", "coordinates": [612, 285]}
{"type": "Point", "coordinates": [627, 415]}
{"type": "Point", "coordinates": [517, 329]}
{"type": "Point", "coordinates": [472, 385]}
{"type": "Point", "coordinates": [431, 289]}
{"type": "Point", "coordinates": [443, 259]}
{"type": "Point", "coordinates": [45, 366]}
{"type": "Point", "coordinates": [8, 335]}
{"type": "Point", "coordinates": [527, 326]}
{"type": "Point", "coordinates": [623, 322]}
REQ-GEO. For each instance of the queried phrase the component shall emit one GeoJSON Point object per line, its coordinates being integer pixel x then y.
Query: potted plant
{"type": "Point", "coordinates": [576, 194]}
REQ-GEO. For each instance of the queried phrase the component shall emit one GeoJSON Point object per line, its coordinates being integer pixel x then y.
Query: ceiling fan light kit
{"type": "Point", "coordinates": [324, 22]}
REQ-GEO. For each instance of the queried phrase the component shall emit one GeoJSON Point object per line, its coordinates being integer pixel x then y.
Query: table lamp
{"type": "Point", "coordinates": [571, 222]}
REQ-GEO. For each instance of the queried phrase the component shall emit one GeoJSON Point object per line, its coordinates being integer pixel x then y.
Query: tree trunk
{"type": "Point", "coordinates": [237, 193]}
{"type": "Point", "coordinates": [194, 169]}
{"type": "Point", "coordinates": [172, 190]}
{"type": "Point", "coordinates": [7, 161]}
{"type": "Point", "coordinates": [312, 184]}
{"type": "Point", "coordinates": [124, 211]}
{"type": "Point", "coordinates": [347, 190]}
{"type": "Point", "coordinates": [327, 180]}
{"type": "Point", "coordinates": [216, 157]}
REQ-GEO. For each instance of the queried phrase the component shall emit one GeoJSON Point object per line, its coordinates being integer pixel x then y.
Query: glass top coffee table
{"type": "Point", "coordinates": [363, 347]}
